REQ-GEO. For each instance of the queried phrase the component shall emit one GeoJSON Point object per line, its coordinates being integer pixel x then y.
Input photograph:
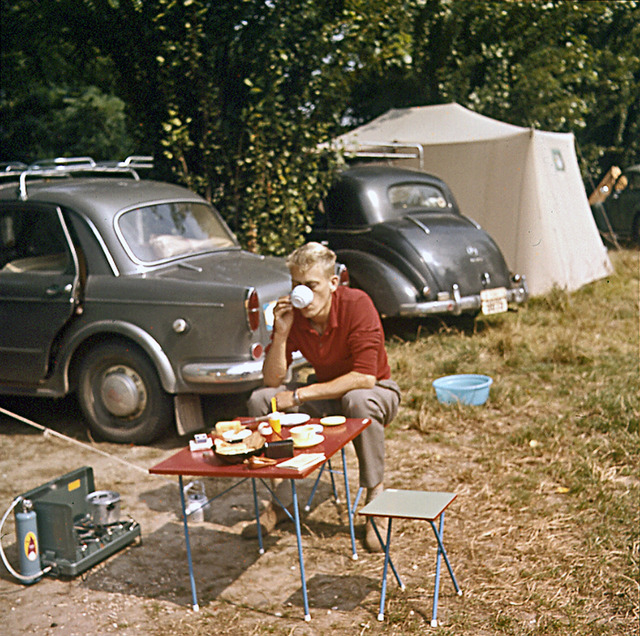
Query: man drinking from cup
{"type": "Point", "coordinates": [340, 334]}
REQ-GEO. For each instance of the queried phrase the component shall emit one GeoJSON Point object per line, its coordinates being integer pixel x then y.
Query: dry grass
{"type": "Point", "coordinates": [543, 536]}
{"type": "Point", "coordinates": [546, 527]}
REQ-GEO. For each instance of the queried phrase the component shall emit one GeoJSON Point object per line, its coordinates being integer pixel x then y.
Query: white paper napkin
{"type": "Point", "coordinates": [303, 461]}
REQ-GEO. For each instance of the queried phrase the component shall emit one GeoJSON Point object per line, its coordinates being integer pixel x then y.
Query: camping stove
{"type": "Point", "coordinates": [70, 539]}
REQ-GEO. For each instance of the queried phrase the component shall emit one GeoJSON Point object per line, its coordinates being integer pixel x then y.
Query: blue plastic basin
{"type": "Point", "coordinates": [464, 388]}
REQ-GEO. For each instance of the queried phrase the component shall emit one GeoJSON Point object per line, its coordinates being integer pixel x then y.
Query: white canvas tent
{"type": "Point", "coordinates": [522, 185]}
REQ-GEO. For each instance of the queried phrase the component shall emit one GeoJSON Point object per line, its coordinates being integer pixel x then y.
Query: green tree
{"type": "Point", "coordinates": [55, 99]}
{"type": "Point", "coordinates": [47, 122]}
{"type": "Point", "coordinates": [237, 96]}
{"type": "Point", "coordinates": [234, 98]}
{"type": "Point", "coordinates": [558, 65]}
{"type": "Point", "coordinates": [267, 82]}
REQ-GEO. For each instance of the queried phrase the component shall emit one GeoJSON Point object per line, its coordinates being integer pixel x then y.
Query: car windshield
{"type": "Point", "coordinates": [169, 230]}
{"type": "Point", "coordinates": [416, 195]}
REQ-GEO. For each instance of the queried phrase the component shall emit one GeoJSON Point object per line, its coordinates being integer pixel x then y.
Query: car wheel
{"type": "Point", "coordinates": [121, 396]}
{"type": "Point", "coordinates": [635, 229]}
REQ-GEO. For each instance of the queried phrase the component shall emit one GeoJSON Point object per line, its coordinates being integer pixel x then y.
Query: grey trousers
{"type": "Point", "coordinates": [379, 404]}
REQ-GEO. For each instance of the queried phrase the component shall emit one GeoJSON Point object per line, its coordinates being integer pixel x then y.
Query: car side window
{"type": "Point", "coordinates": [32, 240]}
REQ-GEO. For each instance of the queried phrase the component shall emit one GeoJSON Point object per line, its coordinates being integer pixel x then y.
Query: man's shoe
{"type": "Point", "coordinates": [271, 516]}
{"type": "Point", "coordinates": [372, 493]}
{"type": "Point", "coordinates": [371, 541]}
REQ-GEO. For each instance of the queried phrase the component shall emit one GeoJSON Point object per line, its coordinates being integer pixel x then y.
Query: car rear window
{"type": "Point", "coordinates": [168, 230]}
{"type": "Point", "coordinates": [416, 195]}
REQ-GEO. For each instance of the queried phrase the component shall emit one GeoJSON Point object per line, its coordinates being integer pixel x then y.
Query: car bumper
{"type": "Point", "coordinates": [457, 304]}
{"type": "Point", "coordinates": [244, 373]}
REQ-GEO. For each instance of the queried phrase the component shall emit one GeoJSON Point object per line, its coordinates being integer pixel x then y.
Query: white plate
{"type": "Point", "coordinates": [293, 419]}
{"type": "Point", "coordinates": [316, 439]}
{"type": "Point", "coordinates": [333, 420]}
{"type": "Point", "coordinates": [236, 436]}
{"type": "Point", "coordinates": [313, 428]}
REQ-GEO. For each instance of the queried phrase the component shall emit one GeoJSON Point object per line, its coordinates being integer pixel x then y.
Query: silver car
{"type": "Point", "coordinates": [130, 292]}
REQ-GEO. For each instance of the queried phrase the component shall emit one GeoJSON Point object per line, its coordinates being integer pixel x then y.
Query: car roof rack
{"type": "Point", "coordinates": [71, 167]}
{"type": "Point", "coordinates": [389, 150]}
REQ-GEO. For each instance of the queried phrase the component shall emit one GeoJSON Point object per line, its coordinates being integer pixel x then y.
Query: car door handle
{"type": "Point", "coordinates": [56, 290]}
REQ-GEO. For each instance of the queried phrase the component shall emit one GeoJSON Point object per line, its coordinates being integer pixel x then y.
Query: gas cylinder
{"type": "Point", "coordinates": [27, 536]}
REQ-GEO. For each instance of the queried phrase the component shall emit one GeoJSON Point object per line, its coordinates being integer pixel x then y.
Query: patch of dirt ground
{"type": "Point", "coordinates": [144, 588]}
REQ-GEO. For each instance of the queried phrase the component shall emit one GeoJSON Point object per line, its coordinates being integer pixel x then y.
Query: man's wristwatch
{"type": "Point", "coordinates": [296, 398]}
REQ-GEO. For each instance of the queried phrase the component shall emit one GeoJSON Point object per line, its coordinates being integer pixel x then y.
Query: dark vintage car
{"type": "Point", "coordinates": [133, 293]}
{"type": "Point", "coordinates": [619, 212]}
{"type": "Point", "coordinates": [405, 243]}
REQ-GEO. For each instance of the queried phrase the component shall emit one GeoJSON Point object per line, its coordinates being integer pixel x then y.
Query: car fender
{"type": "Point", "coordinates": [110, 328]}
{"type": "Point", "coordinates": [388, 287]}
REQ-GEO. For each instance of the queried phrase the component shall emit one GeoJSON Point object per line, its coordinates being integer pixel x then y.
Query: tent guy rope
{"type": "Point", "coordinates": [47, 431]}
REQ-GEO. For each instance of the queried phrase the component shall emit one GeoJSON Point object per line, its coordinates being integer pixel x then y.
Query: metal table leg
{"type": "Point", "coordinates": [315, 486]}
{"type": "Point", "coordinates": [386, 547]}
{"type": "Point", "coordinates": [192, 579]}
{"type": "Point", "coordinates": [296, 518]}
{"type": "Point", "coordinates": [317, 481]}
{"type": "Point", "coordinates": [383, 592]}
{"type": "Point", "coordinates": [354, 554]}
{"type": "Point", "coordinates": [441, 552]}
{"type": "Point", "coordinates": [256, 507]}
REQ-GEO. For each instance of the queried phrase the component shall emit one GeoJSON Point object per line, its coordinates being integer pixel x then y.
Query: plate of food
{"type": "Point", "coordinates": [237, 452]}
{"type": "Point", "coordinates": [333, 420]}
{"type": "Point", "coordinates": [233, 425]}
{"type": "Point", "coordinates": [308, 441]}
{"type": "Point", "coordinates": [236, 436]}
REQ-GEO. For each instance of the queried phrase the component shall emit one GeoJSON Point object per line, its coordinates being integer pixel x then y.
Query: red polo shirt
{"type": "Point", "coordinates": [352, 341]}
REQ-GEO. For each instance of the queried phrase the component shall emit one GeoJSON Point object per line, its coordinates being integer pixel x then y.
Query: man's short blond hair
{"type": "Point", "coordinates": [310, 254]}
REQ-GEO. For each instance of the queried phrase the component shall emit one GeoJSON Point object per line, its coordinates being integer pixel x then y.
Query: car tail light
{"type": "Point", "coordinates": [257, 350]}
{"type": "Point", "coordinates": [252, 308]}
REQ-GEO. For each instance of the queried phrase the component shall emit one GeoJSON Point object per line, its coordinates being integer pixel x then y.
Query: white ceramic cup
{"type": "Point", "coordinates": [301, 296]}
{"type": "Point", "coordinates": [302, 434]}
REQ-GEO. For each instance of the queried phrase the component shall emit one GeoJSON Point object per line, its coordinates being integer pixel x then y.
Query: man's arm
{"type": "Point", "coordinates": [333, 389]}
{"type": "Point", "coordinates": [274, 368]}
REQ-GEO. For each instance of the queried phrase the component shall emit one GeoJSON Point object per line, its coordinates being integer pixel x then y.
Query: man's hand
{"type": "Point", "coordinates": [283, 316]}
{"type": "Point", "coordinates": [274, 368]}
{"type": "Point", "coordinates": [284, 400]}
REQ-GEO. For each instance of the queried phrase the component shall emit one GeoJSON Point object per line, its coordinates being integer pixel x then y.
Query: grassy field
{"type": "Point", "coordinates": [543, 536]}
{"type": "Point", "coordinates": [547, 537]}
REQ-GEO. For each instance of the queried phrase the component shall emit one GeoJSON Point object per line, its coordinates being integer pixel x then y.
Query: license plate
{"type": "Point", "coordinates": [494, 301]}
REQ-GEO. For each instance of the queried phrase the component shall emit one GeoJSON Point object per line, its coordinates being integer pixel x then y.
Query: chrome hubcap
{"type": "Point", "coordinates": [122, 391]}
